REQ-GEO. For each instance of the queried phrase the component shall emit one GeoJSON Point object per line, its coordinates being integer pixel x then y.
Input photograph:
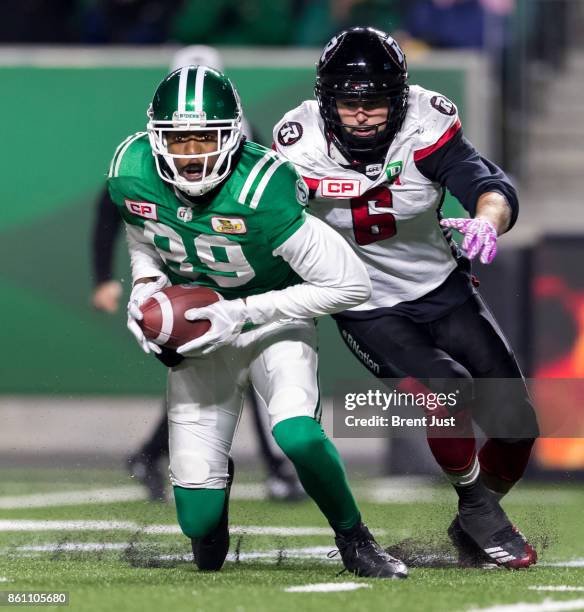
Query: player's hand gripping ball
{"type": "Point", "coordinates": [163, 321]}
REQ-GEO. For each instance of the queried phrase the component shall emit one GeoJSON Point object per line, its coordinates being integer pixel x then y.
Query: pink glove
{"type": "Point", "coordinates": [480, 236]}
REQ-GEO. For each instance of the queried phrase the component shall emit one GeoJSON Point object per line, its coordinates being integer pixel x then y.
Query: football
{"type": "Point", "coordinates": [164, 322]}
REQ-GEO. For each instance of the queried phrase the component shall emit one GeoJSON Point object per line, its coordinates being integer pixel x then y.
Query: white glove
{"type": "Point", "coordinates": [140, 293]}
{"type": "Point", "coordinates": [227, 320]}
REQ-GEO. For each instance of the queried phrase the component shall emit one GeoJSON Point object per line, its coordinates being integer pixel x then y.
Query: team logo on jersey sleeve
{"type": "Point", "coordinates": [302, 192]}
{"type": "Point", "coordinates": [290, 133]}
{"type": "Point", "coordinates": [228, 225]}
{"type": "Point", "coordinates": [143, 209]}
{"type": "Point", "coordinates": [443, 105]}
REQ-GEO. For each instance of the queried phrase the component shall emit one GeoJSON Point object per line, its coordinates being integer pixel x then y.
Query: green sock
{"type": "Point", "coordinates": [198, 510]}
{"type": "Point", "coordinates": [319, 468]}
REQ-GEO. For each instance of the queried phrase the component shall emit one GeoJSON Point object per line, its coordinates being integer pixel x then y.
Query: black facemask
{"type": "Point", "coordinates": [362, 63]}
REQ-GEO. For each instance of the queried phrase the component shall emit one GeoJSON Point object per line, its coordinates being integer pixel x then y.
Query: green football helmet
{"type": "Point", "coordinates": [195, 99]}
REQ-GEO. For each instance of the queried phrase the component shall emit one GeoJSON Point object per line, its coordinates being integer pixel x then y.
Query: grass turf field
{"type": "Point", "coordinates": [129, 555]}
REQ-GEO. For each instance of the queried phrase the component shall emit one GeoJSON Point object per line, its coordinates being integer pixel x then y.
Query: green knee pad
{"type": "Point", "coordinates": [198, 510]}
{"type": "Point", "coordinates": [319, 468]}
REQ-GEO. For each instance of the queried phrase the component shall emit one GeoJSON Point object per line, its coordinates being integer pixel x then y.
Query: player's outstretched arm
{"type": "Point", "coordinates": [493, 207]}
{"type": "Point", "coordinates": [480, 186]}
{"type": "Point", "coordinates": [492, 218]}
{"type": "Point", "coordinates": [334, 280]}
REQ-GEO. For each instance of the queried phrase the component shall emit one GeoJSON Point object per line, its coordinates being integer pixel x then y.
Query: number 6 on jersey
{"type": "Point", "coordinates": [368, 224]}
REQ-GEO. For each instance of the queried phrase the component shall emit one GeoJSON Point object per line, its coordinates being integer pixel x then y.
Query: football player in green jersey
{"type": "Point", "coordinates": [201, 205]}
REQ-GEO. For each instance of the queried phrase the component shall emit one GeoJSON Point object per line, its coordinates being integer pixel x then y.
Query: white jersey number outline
{"type": "Point", "coordinates": [236, 270]}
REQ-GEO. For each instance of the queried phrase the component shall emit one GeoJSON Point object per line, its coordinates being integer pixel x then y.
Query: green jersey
{"type": "Point", "coordinates": [228, 241]}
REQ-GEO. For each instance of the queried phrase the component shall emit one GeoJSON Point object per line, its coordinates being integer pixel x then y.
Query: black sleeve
{"type": "Point", "coordinates": [458, 166]}
{"type": "Point", "coordinates": [105, 231]}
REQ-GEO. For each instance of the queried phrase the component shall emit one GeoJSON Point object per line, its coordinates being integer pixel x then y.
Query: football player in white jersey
{"type": "Point", "coordinates": [377, 155]}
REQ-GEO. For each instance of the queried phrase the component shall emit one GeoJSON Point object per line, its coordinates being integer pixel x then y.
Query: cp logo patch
{"type": "Point", "coordinates": [290, 133]}
{"type": "Point", "coordinates": [443, 105]}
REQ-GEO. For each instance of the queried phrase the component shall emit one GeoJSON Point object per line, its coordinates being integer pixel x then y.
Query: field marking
{"type": "Point", "coordinates": [32, 525]}
{"type": "Point", "coordinates": [380, 491]}
{"type": "Point", "coordinates": [252, 491]}
{"type": "Point", "coordinates": [271, 555]}
{"type": "Point", "coordinates": [315, 553]}
{"type": "Point", "coordinates": [547, 605]}
{"type": "Point", "coordinates": [560, 588]}
{"type": "Point", "coordinates": [393, 496]}
{"type": "Point", "coordinates": [571, 563]}
{"type": "Point", "coordinates": [26, 525]}
{"type": "Point", "coordinates": [75, 547]}
{"type": "Point", "coordinates": [327, 587]}
{"type": "Point", "coordinates": [74, 498]}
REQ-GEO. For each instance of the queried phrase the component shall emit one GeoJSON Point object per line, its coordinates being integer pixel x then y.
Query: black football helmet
{"type": "Point", "coordinates": [362, 63]}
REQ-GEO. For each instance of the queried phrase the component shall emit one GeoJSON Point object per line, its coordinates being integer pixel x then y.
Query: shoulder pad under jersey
{"type": "Point", "coordinates": [436, 118]}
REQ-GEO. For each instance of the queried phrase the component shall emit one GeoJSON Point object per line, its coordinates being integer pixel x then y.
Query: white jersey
{"type": "Point", "coordinates": [391, 220]}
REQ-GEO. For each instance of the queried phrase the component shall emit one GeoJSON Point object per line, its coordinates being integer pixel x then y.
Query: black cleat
{"type": "Point", "coordinates": [210, 551]}
{"type": "Point", "coordinates": [147, 472]}
{"type": "Point", "coordinates": [363, 556]}
{"type": "Point", "coordinates": [482, 519]}
{"type": "Point", "coordinates": [510, 548]}
{"type": "Point", "coordinates": [469, 553]}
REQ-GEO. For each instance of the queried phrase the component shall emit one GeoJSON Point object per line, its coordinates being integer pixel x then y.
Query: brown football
{"type": "Point", "coordinates": [164, 314]}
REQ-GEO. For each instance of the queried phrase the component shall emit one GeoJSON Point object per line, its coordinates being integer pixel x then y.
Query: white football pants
{"type": "Point", "coordinates": [205, 396]}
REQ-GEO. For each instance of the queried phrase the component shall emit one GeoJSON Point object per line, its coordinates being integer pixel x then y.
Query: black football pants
{"type": "Point", "coordinates": [465, 344]}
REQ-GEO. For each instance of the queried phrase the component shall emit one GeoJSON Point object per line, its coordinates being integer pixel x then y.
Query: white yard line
{"type": "Point", "coordinates": [562, 588]}
{"type": "Point", "coordinates": [31, 525]}
{"type": "Point", "coordinates": [315, 553]}
{"type": "Point", "coordinates": [250, 490]}
{"type": "Point", "coordinates": [107, 496]}
{"type": "Point", "coordinates": [25, 525]}
{"type": "Point", "coordinates": [327, 587]}
{"type": "Point", "coordinates": [393, 496]}
{"type": "Point", "coordinates": [547, 605]}
{"type": "Point", "coordinates": [312, 552]}
{"type": "Point", "coordinates": [381, 491]}
{"type": "Point", "coordinates": [570, 563]}
{"type": "Point", "coordinates": [74, 498]}
{"type": "Point", "coordinates": [75, 547]}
